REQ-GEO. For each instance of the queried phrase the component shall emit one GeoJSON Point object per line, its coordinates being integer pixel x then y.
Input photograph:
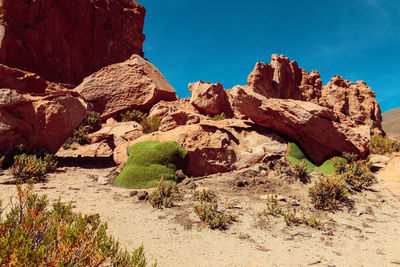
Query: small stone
{"type": "Point", "coordinates": [143, 195]}
{"type": "Point", "coordinates": [103, 180]}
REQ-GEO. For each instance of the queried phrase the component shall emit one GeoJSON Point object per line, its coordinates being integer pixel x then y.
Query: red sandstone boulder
{"type": "Point", "coordinates": [36, 113]}
{"type": "Point", "coordinates": [318, 130]}
{"type": "Point", "coordinates": [65, 41]}
{"type": "Point", "coordinates": [217, 146]}
{"type": "Point", "coordinates": [355, 100]}
{"type": "Point", "coordinates": [133, 84]}
{"type": "Point", "coordinates": [210, 98]}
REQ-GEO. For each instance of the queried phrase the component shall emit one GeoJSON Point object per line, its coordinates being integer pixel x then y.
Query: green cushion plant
{"type": "Point", "coordinates": [149, 161]}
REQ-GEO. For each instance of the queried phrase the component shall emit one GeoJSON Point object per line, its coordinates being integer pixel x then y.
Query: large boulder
{"type": "Point", "coordinates": [36, 113]}
{"type": "Point", "coordinates": [209, 98]}
{"type": "Point", "coordinates": [64, 41]}
{"type": "Point", "coordinates": [217, 146]}
{"type": "Point", "coordinates": [355, 100]}
{"type": "Point", "coordinates": [132, 84]}
{"type": "Point", "coordinates": [318, 130]}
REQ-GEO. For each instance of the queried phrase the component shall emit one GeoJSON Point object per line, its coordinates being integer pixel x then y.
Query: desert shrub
{"type": "Point", "coordinates": [205, 195]}
{"type": "Point", "coordinates": [311, 221]}
{"type": "Point", "coordinates": [290, 216]}
{"type": "Point", "coordinates": [150, 124]}
{"type": "Point", "coordinates": [81, 135]}
{"type": "Point", "coordinates": [134, 115]}
{"type": "Point", "coordinates": [149, 161]}
{"type": "Point", "coordinates": [357, 174]}
{"type": "Point", "coordinates": [208, 212]}
{"type": "Point", "coordinates": [32, 166]}
{"type": "Point", "coordinates": [34, 235]}
{"type": "Point", "coordinates": [383, 145]}
{"type": "Point", "coordinates": [328, 192]}
{"type": "Point", "coordinates": [165, 195]}
{"type": "Point", "coordinates": [219, 117]}
{"type": "Point", "coordinates": [273, 207]}
{"type": "Point", "coordinates": [300, 170]}
{"type": "Point", "coordinates": [93, 119]}
{"type": "Point", "coordinates": [1, 161]}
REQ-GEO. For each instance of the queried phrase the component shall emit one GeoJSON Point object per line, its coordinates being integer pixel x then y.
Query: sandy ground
{"type": "Point", "coordinates": [366, 235]}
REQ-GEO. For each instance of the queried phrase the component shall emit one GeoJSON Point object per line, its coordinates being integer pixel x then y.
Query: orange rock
{"type": "Point", "coordinates": [132, 84]}
{"type": "Point", "coordinates": [65, 41]}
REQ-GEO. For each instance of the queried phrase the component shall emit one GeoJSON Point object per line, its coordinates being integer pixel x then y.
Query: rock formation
{"type": "Point", "coordinates": [355, 100]}
{"type": "Point", "coordinates": [318, 130]}
{"type": "Point", "coordinates": [132, 84]}
{"type": "Point", "coordinates": [217, 146]}
{"type": "Point", "coordinates": [210, 98]}
{"type": "Point", "coordinates": [41, 121]}
{"type": "Point", "coordinates": [65, 41]}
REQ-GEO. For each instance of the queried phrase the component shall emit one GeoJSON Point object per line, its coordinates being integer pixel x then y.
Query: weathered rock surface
{"type": "Point", "coordinates": [64, 41]}
{"type": "Point", "coordinates": [33, 113]}
{"type": "Point", "coordinates": [209, 98]}
{"type": "Point", "coordinates": [217, 146]}
{"type": "Point", "coordinates": [318, 130]}
{"type": "Point", "coordinates": [355, 100]}
{"type": "Point", "coordinates": [285, 79]}
{"type": "Point", "coordinates": [132, 84]}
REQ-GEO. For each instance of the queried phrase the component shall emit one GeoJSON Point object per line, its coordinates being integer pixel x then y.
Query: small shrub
{"type": "Point", "coordinates": [93, 119]}
{"type": "Point", "coordinates": [358, 175]}
{"type": "Point", "coordinates": [300, 170]}
{"type": "Point", "coordinates": [311, 221]}
{"type": "Point", "coordinates": [34, 235]}
{"type": "Point", "coordinates": [165, 195]}
{"type": "Point", "coordinates": [328, 192]}
{"type": "Point", "coordinates": [81, 135]}
{"type": "Point", "coordinates": [134, 115]}
{"type": "Point", "coordinates": [150, 124]}
{"type": "Point", "coordinates": [33, 167]}
{"type": "Point", "coordinates": [273, 207]}
{"type": "Point", "coordinates": [219, 117]}
{"type": "Point", "coordinates": [205, 195]}
{"type": "Point", "coordinates": [290, 216]}
{"type": "Point", "coordinates": [208, 212]}
{"type": "Point", "coordinates": [383, 145]}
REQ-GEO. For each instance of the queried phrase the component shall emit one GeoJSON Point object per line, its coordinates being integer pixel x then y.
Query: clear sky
{"type": "Point", "coordinates": [221, 40]}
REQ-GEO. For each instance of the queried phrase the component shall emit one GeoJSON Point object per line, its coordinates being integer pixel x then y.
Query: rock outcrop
{"type": "Point", "coordinates": [42, 120]}
{"type": "Point", "coordinates": [132, 84]}
{"type": "Point", "coordinates": [355, 100]}
{"type": "Point", "coordinates": [65, 41]}
{"type": "Point", "coordinates": [210, 99]}
{"type": "Point", "coordinates": [318, 130]}
{"type": "Point", "coordinates": [217, 146]}
{"type": "Point", "coordinates": [284, 79]}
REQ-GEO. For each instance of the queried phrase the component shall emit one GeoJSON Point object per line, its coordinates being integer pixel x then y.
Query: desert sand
{"type": "Point", "coordinates": [366, 234]}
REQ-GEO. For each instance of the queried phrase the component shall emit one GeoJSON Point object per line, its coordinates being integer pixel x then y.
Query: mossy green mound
{"type": "Point", "coordinates": [149, 161]}
{"type": "Point", "coordinates": [295, 155]}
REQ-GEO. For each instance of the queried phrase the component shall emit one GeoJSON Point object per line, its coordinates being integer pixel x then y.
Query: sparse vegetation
{"type": "Point", "coordinates": [295, 155]}
{"type": "Point", "coordinates": [93, 119]}
{"type": "Point", "coordinates": [273, 207]}
{"type": "Point", "coordinates": [219, 117]}
{"type": "Point", "coordinates": [356, 173]}
{"type": "Point", "coordinates": [150, 124]}
{"type": "Point", "coordinates": [208, 212]}
{"type": "Point", "coordinates": [300, 171]}
{"type": "Point", "coordinates": [205, 195]}
{"type": "Point", "coordinates": [383, 145]}
{"type": "Point", "coordinates": [81, 135]}
{"type": "Point", "coordinates": [32, 166]}
{"type": "Point", "coordinates": [149, 161]}
{"type": "Point", "coordinates": [328, 192]}
{"type": "Point", "coordinates": [165, 195]}
{"type": "Point", "coordinates": [34, 235]}
{"type": "Point", "coordinates": [134, 115]}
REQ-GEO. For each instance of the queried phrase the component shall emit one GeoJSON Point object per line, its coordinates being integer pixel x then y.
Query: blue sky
{"type": "Point", "coordinates": [221, 40]}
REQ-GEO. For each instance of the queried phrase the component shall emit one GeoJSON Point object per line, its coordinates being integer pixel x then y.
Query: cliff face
{"type": "Point", "coordinates": [65, 41]}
